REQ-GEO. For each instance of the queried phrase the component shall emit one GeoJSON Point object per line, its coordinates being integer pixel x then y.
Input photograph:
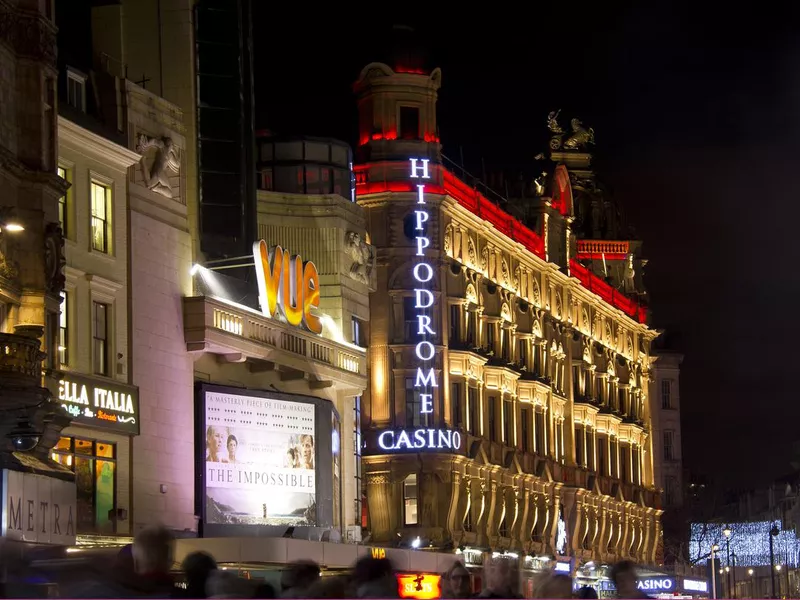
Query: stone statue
{"type": "Point", "coordinates": [577, 140]}
{"type": "Point", "coordinates": [539, 183]}
{"type": "Point", "coordinates": [54, 258]}
{"type": "Point", "coordinates": [628, 282]}
{"type": "Point", "coordinates": [580, 136]}
{"type": "Point", "coordinates": [363, 256]}
{"type": "Point", "coordinates": [166, 160]}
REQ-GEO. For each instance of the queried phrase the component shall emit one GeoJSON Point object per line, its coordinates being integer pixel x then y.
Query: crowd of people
{"type": "Point", "coordinates": [145, 570]}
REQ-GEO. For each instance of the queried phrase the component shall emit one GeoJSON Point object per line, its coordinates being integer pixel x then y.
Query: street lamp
{"type": "Point", "coordinates": [727, 533]}
{"type": "Point", "coordinates": [733, 570]}
{"type": "Point", "coordinates": [774, 532]}
{"type": "Point", "coordinates": [714, 550]}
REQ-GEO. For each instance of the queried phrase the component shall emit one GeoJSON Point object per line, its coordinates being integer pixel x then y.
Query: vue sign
{"type": "Point", "coordinates": [288, 288]}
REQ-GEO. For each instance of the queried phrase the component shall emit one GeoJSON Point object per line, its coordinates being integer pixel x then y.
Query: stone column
{"type": "Point", "coordinates": [379, 502]}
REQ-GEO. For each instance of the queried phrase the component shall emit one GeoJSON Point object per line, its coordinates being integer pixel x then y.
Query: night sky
{"type": "Point", "coordinates": [696, 113]}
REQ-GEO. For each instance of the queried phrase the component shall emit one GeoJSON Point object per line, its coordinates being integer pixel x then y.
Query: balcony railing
{"type": "Point", "coordinates": [222, 328]}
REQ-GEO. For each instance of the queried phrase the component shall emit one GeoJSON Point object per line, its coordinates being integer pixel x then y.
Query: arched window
{"type": "Point", "coordinates": [410, 500]}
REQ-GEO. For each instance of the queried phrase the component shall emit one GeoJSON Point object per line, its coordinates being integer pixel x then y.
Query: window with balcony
{"type": "Point", "coordinates": [625, 462]}
{"type": "Point", "coordinates": [669, 445]}
{"type": "Point", "coordinates": [602, 456]}
{"type": "Point", "coordinates": [410, 491]}
{"type": "Point", "coordinates": [409, 123]}
{"type": "Point", "coordinates": [537, 360]}
{"type": "Point", "coordinates": [666, 394]}
{"type": "Point", "coordinates": [100, 337]}
{"type": "Point", "coordinates": [101, 206]}
{"type": "Point", "coordinates": [490, 336]}
{"type": "Point", "coordinates": [590, 464]}
{"type": "Point", "coordinates": [505, 345]}
{"type": "Point", "coordinates": [63, 330]}
{"type": "Point", "coordinates": [473, 402]}
{"type": "Point", "coordinates": [358, 332]}
{"type": "Point", "coordinates": [94, 465]}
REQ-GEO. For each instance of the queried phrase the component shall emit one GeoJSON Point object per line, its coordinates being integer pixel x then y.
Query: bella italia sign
{"type": "Point", "coordinates": [100, 403]}
{"type": "Point", "coordinates": [423, 438]}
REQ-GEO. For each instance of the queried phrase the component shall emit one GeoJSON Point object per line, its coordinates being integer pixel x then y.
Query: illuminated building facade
{"type": "Point", "coordinates": [509, 398]}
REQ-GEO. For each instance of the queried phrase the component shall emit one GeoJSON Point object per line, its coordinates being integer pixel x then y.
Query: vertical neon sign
{"type": "Point", "coordinates": [423, 297]}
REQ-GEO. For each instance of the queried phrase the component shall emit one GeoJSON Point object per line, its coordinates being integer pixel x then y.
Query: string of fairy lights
{"type": "Point", "coordinates": [749, 541]}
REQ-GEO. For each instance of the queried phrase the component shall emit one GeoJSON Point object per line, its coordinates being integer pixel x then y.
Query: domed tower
{"type": "Point", "coordinates": [397, 105]}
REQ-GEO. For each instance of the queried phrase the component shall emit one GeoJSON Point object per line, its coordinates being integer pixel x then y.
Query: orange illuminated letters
{"type": "Point", "coordinates": [287, 287]}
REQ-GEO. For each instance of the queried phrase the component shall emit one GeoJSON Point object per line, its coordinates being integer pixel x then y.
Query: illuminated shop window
{"type": "Point", "coordinates": [95, 467]}
{"type": "Point", "coordinates": [410, 500]}
{"type": "Point", "coordinates": [101, 208]}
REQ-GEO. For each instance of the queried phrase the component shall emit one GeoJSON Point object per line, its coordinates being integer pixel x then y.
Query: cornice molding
{"type": "Point", "coordinates": [85, 142]}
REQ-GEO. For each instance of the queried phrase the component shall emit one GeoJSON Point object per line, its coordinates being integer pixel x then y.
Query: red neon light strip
{"type": "Point", "coordinates": [480, 206]}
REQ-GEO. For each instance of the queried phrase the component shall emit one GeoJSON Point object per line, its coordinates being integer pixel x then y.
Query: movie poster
{"type": "Point", "coordinates": [260, 461]}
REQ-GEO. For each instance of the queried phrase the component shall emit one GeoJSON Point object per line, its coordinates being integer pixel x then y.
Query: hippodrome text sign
{"type": "Point", "coordinates": [425, 351]}
{"type": "Point", "coordinates": [288, 288]}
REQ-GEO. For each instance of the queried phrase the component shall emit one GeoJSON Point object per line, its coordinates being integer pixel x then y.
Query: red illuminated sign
{"type": "Point", "coordinates": [420, 587]}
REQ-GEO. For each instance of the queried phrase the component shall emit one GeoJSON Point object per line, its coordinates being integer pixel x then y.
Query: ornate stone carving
{"type": "Point", "coordinates": [448, 233]}
{"type": "Point", "coordinates": [166, 160]}
{"type": "Point", "coordinates": [8, 268]}
{"type": "Point", "coordinates": [628, 281]}
{"type": "Point", "coordinates": [558, 306]}
{"type": "Point", "coordinates": [377, 479]}
{"type": "Point", "coordinates": [471, 254]}
{"type": "Point", "coordinates": [363, 255]}
{"type": "Point", "coordinates": [536, 295]}
{"type": "Point", "coordinates": [577, 140]}
{"type": "Point", "coordinates": [30, 34]}
{"type": "Point", "coordinates": [504, 271]}
{"type": "Point", "coordinates": [485, 259]}
{"type": "Point", "coordinates": [517, 279]}
{"type": "Point", "coordinates": [54, 259]}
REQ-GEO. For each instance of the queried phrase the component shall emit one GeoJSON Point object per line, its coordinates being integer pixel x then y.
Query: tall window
{"type": "Point", "coordinates": [625, 462]}
{"type": "Point", "coordinates": [522, 356]}
{"type": "Point", "coordinates": [472, 409]}
{"type": "Point", "coordinates": [357, 456]}
{"type": "Point", "coordinates": [526, 427]}
{"type": "Point", "coordinates": [100, 338]}
{"type": "Point", "coordinates": [472, 327]}
{"type": "Point", "coordinates": [101, 196]}
{"type": "Point", "coordinates": [492, 419]}
{"type": "Point", "coordinates": [505, 345]}
{"type": "Point", "coordinates": [414, 415]}
{"type": "Point", "coordinates": [489, 336]}
{"type": "Point", "coordinates": [94, 465]}
{"type": "Point", "coordinates": [508, 423]}
{"type": "Point", "coordinates": [359, 338]}
{"type": "Point", "coordinates": [538, 432]}
{"type": "Point", "coordinates": [63, 204]}
{"type": "Point", "coordinates": [602, 458]}
{"type": "Point", "coordinates": [613, 451]}
{"type": "Point", "coordinates": [409, 123]}
{"type": "Point", "coordinates": [670, 489]}
{"type": "Point", "coordinates": [455, 401]}
{"type": "Point", "coordinates": [410, 500]}
{"type": "Point", "coordinates": [455, 323]}
{"type": "Point", "coordinates": [63, 331]}
{"type": "Point", "coordinates": [590, 450]}
{"type": "Point", "coordinates": [669, 445]}
{"type": "Point", "coordinates": [580, 450]}
{"type": "Point", "coordinates": [666, 393]}
{"type": "Point", "coordinates": [76, 89]}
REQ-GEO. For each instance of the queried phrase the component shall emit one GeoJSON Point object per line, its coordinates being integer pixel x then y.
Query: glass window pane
{"type": "Point", "coordinates": [64, 444]}
{"type": "Point", "coordinates": [84, 482]}
{"type": "Point", "coordinates": [84, 447]}
{"type": "Point", "coordinates": [105, 450]}
{"type": "Point", "coordinates": [104, 492]}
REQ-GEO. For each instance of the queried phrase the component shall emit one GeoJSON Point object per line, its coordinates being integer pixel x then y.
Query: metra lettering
{"type": "Point", "coordinates": [74, 393]}
{"type": "Point", "coordinates": [51, 518]}
{"type": "Point", "coordinates": [420, 439]}
{"type": "Point", "coordinates": [287, 287]}
{"type": "Point", "coordinates": [423, 298]}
